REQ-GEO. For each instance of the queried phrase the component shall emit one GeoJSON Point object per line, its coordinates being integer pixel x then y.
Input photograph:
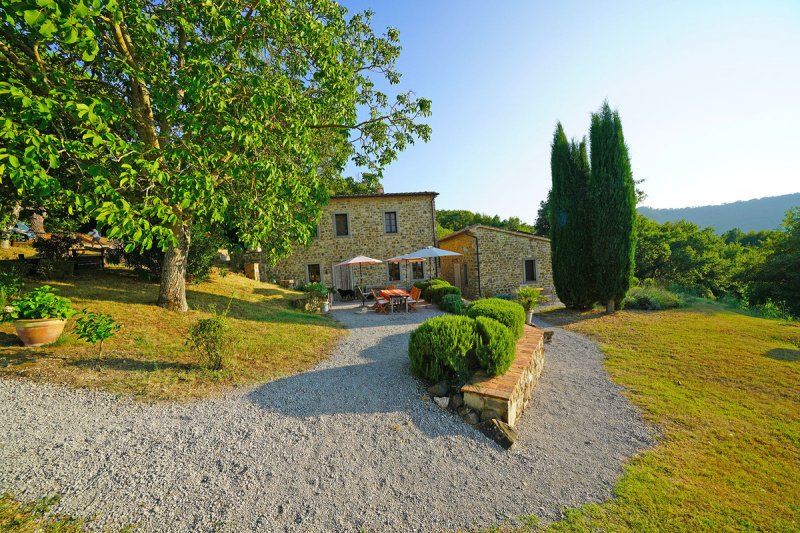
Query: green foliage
{"type": "Point", "coordinates": [529, 297]}
{"type": "Point", "coordinates": [437, 291]}
{"type": "Point", "coordinates": [508, 313]}
{"type": "Point", "coordinates": [151, 120]}
{"type": "Point", "coordinates": [442, 348]}
{"type": "Point", "coordinates": [651, 298]}
{"type": "Point", "coordinates": [612, 207]}
{"type": "Point", "coordinates": [428, 286]}
{"type": "Point", "coordinates": [497, 348]}
{"type": "Point", "coordinates": [544, 216]}
{"type": "Point", "coordinates": [95, 327]}
{"type": "Point", "coordinates": [211, 339]}
{"type": "Point", "coordinates": [570, 223]}
{"type": "Point", "coordinates": [316, 293]}
{"type": "Point", "coordinates": [41, 302]}
{"type": "Point", "coordinates": [452, 303]}
{"type": "Point", "coordinates": [200, 259]}
{"type": "Point", "coordinates": [777, 278]}
{"type": "Point", "coordinates": [58, 247]}
{"type": "Point", "coordinates": [454, 220]}
{"type": "Point", "coordinates": [12, 279]}
{"type": "Point", "coordinates": [697, 260]}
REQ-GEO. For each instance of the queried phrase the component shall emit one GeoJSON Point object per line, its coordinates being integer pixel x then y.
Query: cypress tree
{"type": "Point", "coordinates": [612, 207]}
{"type": "Point", "coordinates": [569, 233]}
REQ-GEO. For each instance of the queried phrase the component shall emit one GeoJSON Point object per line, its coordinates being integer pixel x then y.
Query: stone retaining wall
{"type": "Point", "coordinates": [509, 394]}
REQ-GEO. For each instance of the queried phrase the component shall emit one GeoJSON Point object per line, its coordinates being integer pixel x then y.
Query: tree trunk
{"type": "Point", "coordinates": [611, 305]}
{"type": "Point", "coordinates": [37, 223]}
{"type": "Point", "coordinates": [172, 294]}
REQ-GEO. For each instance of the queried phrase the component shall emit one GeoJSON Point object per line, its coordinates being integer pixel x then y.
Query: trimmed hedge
{"type": "Point", "coordinates": [510, 314]}
{"type": "Point", "coordinates": [452, 303]}
{"type": "Point", "coordinates": [443, 348]}
{"type": "Point", "coordinates": [497, 346]}
{"type": "Point", "coordinates": [437, 292]}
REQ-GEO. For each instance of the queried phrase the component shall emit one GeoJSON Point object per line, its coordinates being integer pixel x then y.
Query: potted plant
{"type": "Point", "coordinates": [529, 298]}
{"type": "Point", "coordinates": [39, 316]}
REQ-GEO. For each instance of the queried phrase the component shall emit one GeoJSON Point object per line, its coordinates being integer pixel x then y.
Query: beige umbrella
{"type": "Point", "coordinates": [405, 259]}
{"type": "Point", "coordinates": [360, 260]}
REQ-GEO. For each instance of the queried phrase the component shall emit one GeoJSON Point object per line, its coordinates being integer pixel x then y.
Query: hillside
{"type": "Point", "coordinates": [748, 215]}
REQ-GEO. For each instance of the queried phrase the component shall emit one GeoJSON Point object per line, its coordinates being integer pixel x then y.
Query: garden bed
{"type": "Point", "coordinates": [506, 396]}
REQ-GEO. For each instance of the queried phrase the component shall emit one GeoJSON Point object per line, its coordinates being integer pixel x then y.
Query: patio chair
{"type": "Point", "coordinates": [381, 304]}
{"type": "Point", "coordinates": [414, 299]}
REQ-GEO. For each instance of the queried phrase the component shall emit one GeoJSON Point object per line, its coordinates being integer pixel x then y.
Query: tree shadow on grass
{"type": "Point", "coordinates": [564, 317]}
{"type": "Point", "coordinates": [784, 354]}
{"type": "Point", "coordinates": [381, 384]}
{"type": "Point", "coordinates": [128, 364]}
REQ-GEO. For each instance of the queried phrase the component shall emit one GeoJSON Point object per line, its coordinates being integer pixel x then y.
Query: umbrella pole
{"type": "Point", "coordinates": [361, 289]}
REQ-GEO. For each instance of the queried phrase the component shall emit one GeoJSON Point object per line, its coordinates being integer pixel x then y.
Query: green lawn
{"type": "Point", "coordinates": [724, 390]}
{"type": "Point", "coordinates": [148, 357]}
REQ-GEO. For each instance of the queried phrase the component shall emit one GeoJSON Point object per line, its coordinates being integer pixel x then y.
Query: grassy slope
{"type": "Point", "coordinates": [148, 357]}
{"type": "Point", "coordinates": [34, 517]}
{"type": "Point", "coordinates": [725, 390]}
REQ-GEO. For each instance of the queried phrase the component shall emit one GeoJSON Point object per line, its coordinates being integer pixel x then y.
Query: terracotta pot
{"type": "Point", "coordinates": [40, 331]}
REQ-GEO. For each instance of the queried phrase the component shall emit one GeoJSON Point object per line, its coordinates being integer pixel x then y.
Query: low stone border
{"type": "Point", "coordinates": [506, 396]}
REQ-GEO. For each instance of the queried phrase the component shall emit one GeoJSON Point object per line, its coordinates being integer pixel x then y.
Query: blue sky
{"type": "Point", "coordinates": [709, 94]}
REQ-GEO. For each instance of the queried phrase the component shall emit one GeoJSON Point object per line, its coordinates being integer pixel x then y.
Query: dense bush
{"type": "Point", "coordinates": [650, 298]}
{"type": "Point", "coordinates": [210, 337]}
{"type": "Point", "coordinates": [437, 292]}
{"type": "Point", "coordinates": [453, 303]}
{"type": "Point", "coordinates": [428, 287]}
{"type": "Point", "coordinates": [442, 348]}
{"type": "Point", "coordinates": [510, 314]}
{"type": "Point", "coordinates": [497, 347]}
{"type": "Point", "coordinates": [56, 248]}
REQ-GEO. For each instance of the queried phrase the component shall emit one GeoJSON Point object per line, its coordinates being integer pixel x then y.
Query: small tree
{"type": "Point", "coordinates": [95, 327]}
{"type": "Point", "coordinates": [612, 204]}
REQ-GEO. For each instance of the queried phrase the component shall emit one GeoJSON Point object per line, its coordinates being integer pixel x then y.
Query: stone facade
{"type": "Point", "coordinates": [368, 233]}
{"type": "Point", "coordinates": [509, 394]}
{"type": "Point", "coordinates": [502, 256]}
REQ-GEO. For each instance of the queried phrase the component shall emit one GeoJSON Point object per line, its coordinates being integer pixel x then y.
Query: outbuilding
{"type": "Point", "coordinates": [495, 261]}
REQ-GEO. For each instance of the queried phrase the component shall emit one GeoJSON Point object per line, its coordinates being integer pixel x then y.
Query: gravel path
{"type": "Point", "coordinates": [345, 446]}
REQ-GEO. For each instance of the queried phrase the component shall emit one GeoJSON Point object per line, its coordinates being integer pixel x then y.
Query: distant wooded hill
{"type": "Point", "coordinates": [748, 215]}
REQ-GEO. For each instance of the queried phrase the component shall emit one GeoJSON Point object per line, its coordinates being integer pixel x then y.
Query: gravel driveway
{"type": "Point", "coordinates": [345, 446]}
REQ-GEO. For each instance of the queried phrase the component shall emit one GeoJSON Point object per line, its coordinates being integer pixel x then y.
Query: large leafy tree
{"type": "Point", "coordinates": [155, 115]}
{"type": "Point", "coordinates": [612, 204]}
{"type": "Point", "coordinates": [570, 224]}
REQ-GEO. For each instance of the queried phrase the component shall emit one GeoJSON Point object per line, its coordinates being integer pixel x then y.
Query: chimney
{"type": "Point", "coordinates": [379, 189]}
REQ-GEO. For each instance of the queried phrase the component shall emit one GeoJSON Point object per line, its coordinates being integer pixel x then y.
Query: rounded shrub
{"type": "Point", "coordinates": [508, 313]}
{"type": "Point", "coordinates": [497, 346]}
{"type": "Point", "coordinates": [452, 303]}
{"type": "Point", "coordinates": [437, 292]}
{"type": "Point", "coordinates": [443, 348]}
{"type": "Point", "coordinates": [433, 285]}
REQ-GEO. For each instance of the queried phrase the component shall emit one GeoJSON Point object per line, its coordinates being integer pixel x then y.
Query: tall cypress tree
{"type": "Point", "coordinates": [612, 206]}
{"type": "Point", "coordinates": [569, 232]}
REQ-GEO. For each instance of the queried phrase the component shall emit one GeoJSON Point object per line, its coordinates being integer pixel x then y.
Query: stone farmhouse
{"type": "Point", "coordinates": [496, 261]}
{"type": "Point", "coordinates": [380, 226]}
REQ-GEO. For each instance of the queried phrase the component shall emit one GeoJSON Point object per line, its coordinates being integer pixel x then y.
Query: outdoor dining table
{"type": "Point", "coordinates": [395, 294]}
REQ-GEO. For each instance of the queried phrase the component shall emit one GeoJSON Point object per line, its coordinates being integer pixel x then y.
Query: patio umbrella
{"type": "Point", "coordinates": [405, 259]}
{"type": "Point", "coordinates": [360, 260]}
{"type": "Point", "coordinates": [430, 252]}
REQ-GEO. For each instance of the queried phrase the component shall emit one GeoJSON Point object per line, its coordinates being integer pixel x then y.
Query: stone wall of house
{"type": "Point", "coordinates": [502, 256]}
{"type": "Point", "coordinates": [367, 236]}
